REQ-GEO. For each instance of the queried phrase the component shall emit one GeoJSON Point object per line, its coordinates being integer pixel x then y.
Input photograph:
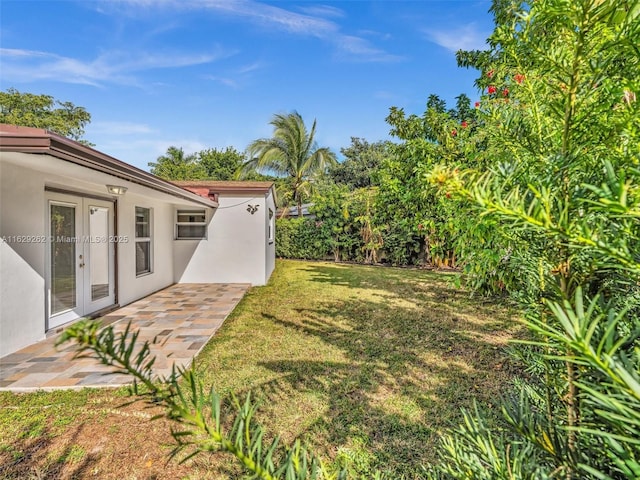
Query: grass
{"type": "Point", "coordinates": [366, 364]}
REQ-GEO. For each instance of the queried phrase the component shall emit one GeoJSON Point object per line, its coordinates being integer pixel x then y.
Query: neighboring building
{"type": "Point", "coordinates": [82, 232]}
{"type": "Point", "coordinates": [292, 212]}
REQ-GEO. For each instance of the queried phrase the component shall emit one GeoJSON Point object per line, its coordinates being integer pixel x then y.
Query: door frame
{"type": "Point", "coordinates": [81, 201]}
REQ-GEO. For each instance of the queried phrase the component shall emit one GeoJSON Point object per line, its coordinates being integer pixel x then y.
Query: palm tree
{"type": "Point", "coordinates": [292, 153]}
{"type": "Point", "coordinates": [176, 165]}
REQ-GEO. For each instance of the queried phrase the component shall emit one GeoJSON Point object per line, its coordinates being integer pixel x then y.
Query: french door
{"type": "Point", "coordinates": [80, 257]}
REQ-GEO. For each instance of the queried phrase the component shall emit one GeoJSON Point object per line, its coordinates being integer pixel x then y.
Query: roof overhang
{"type": "Point", "coordinates": [228, 187]}
{"type": "Point", "coordinates": [43, 142]}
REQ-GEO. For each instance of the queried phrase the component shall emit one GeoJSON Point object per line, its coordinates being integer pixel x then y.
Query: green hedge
{"type": "Point", "coordinates": [301, 238]}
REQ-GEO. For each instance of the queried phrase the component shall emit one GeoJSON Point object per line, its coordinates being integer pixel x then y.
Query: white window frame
{"type": "Point", "coordinates": [195, 211]}
{"type": "Point", "coordinates": [148, 240]}
{"type": "Point", "coordinates": [272, 227]}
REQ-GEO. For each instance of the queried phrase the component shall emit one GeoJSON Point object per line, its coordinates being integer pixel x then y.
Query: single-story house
{"type": "Point", "coordinates": [82, 233]}
{"type": "Point", "coordinates": [247, 212]}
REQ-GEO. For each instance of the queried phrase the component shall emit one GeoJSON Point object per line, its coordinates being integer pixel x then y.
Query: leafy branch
{"type": "Point", "coordinates": [196, 411]}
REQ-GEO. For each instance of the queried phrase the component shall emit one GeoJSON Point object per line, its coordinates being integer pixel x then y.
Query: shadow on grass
{"type": "Point", "coordinates": [416, 349]}
{"type": "Point", "coordinates": [39, 456]}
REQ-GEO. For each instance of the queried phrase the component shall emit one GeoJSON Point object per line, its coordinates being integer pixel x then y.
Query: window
{"type": "Point", "coordinates": [191, 225]}
{"type": "Point", "coordinates": [143, 241]}
{"type": "Point", "coordinates": [272, 226]}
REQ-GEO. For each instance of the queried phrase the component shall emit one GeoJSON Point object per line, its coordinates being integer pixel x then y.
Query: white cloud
{"type": "Point", "coordinates": [271, 15]}
{"type": "Point", "coordinates": [118, 128]}
{"type": "Point", "coordinates": [17, 52]}
{"type": "Point", "coordinates": [236, 78]}
{"type": "Point", "coordinates": [465, 37]}
{"type": "Point", "coordinates": [376, 34]}
{"type": "Point", "coordinates": [111, 67]}
{"type": "Point", "coordinates": [362, 49]}
{"type": "Point", "coordinates": [310, 23]}
{"type": "Point", "coordinates": [252, 67]}
{"type": "Point", "coordinates": [323, 11]}
{"type": "Point", "coordinates": [229, 82]}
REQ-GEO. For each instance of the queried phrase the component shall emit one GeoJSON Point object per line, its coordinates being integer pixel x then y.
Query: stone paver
{"type": "Point", "coordinates": [182, 318]}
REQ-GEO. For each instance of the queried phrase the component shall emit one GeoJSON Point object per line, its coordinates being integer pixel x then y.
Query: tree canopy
{"type": "Point", "coordinates": [208, 164]}
{"type": "Point", "coordinates": [220, 164]}
{"type": "Point", "coordinates": [43, 111]}
{"type": "Point", "coordinates": [362, 161]}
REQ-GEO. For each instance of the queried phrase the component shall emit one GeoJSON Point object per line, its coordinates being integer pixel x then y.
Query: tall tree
{"type": "Point", "coordinates": [361, 163]}
{"type": "Point", "coordinates": [292, 153]}
{"type": "Point", "coordinates": [220, 164]}
{"type": "Point", "coordinates": [43, 111]}
{"type": "Point", "coordinates": [175, 165]}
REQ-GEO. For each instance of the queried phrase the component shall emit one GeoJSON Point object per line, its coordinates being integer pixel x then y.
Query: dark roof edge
{"type": "Point", "coordinates": [44, 142]}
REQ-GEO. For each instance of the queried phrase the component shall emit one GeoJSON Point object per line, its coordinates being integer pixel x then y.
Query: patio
{"type": "Point", "coordinates": [183, 317]}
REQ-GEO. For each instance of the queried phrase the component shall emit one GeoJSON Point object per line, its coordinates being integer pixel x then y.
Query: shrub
{"type": "Point", "coordinates": [301, 238]}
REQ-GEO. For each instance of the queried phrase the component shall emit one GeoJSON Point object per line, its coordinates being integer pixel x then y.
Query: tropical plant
{"type": "Point", "coordinates": [424, 225]}
{"type": "Point", "coordinates": [201, 425]}
{"type": "Point", "coordinates": [560, 125]}
{"type": "Point", "coordinates": [175, 165]}
{"type": "Point", "coordinates": [292, 153]}
{"type": "Point", "coordinates": [301, 238]}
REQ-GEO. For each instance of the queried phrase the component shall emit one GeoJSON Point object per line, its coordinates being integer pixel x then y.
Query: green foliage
{"type": "Point", "coordinates": [196, 412]}
{"type": "Point", "coordinates": [301, 238]}
{"type": "Point", "coordinates": [43, 111]}
{"type": "Point", "coordinates": [208, 164]}
{"type": "Point", "coordinates": [333, 222]}
{"type": "Point", "coordinates": [220, 164]}
{"type": "Point", "coordinates": [291, 153]}
{"type": "Point", "coordinates": [425, 224]}
{"type": "Point", "coordinates": [360, 166]}
{"type": "Point", "coordinates": [345, 226]}
{"type": "Point", "coordinates": [556, 179]}
{"type": "Point", "coordinates": [175, 165]}
{"type": "Point", "coordinates": [476, 451]}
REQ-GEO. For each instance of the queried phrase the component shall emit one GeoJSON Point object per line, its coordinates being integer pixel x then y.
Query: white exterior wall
{"type": "Point", "coordinates": [236, 249]}
{"type": "Point", "coordinates": [23, 213]}
{"type": "Point", "coordinates": [22, 264]}
{"type": "Point", "coordinates": [131, 287]}
{"type": "Point", "coordinates": [270, 255]}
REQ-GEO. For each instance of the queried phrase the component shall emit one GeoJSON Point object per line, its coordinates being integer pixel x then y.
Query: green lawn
{"type": "Point", "coordinates": [366, 364]}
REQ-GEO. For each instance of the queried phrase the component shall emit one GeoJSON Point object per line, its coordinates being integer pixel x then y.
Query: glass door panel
{"type": "Point", "coordinates": [98, 252]}
{"type": "Point", "coordinates": [81, 257]}
{"type": "Point", "coordinates": [63, 258]}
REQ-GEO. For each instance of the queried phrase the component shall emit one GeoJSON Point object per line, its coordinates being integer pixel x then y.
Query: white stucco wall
{"type": "Point", "coordinates": [270, 254]}
{"type": "Point", "coordinates": [237, 249]}
{"type": "Point", "coordinates": [23, 213]}
{"type": "Point", "coordinates": [234, 251]}
{"type": "Point", "coordinates": [132, 287]}
{"type": "Point", "coordinates": [22, 290]}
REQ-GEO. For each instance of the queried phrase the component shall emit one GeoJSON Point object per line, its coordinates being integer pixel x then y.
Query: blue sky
{"type": "Point", "coordinates": [211, 73]}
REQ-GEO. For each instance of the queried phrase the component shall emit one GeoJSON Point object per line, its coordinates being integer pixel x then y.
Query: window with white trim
{"type": "Point", "coordinates": [191, 224]}
{"type": "Point", "coordinates": [143, 236]}
{"type": "Point", "coordinates": [272, 227]}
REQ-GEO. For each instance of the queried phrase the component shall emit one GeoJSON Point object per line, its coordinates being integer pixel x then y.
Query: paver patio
{"type": "Point", "coordinates": [183, 317]}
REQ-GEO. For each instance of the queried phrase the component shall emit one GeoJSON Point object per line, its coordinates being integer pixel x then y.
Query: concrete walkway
{"type": "Point", "coordinates": [183, 317]}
